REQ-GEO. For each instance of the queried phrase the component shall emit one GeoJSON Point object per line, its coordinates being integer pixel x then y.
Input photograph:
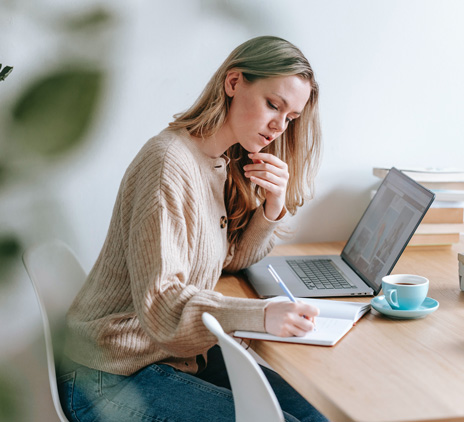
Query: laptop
{"type": "Point", "coordinates": [371, 252]}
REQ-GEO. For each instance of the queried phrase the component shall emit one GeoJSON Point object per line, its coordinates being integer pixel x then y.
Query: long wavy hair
{"type": "Point", "coordinates": [299, 146]}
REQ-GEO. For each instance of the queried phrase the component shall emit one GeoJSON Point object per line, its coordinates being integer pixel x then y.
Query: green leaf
{"type": "Point", "coordinates": [9, 247]}
{"type": "Point", "coordinates": [9, 400]}
{"type": "Point", "coordinates": [54, 113]}
{"type": "Point", "coordinates": [5, 72]}
{"type": "Point", "coordinates": [3, 172]}
{"type": "Point", "coordinates": [91, 19]}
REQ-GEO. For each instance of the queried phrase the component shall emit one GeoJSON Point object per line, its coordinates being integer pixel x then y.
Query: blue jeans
{"type": "Point", "coordinates": [162, 393]}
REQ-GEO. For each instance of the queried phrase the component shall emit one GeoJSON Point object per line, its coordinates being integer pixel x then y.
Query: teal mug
{"type": "Point", "coordinates": [405, 292]}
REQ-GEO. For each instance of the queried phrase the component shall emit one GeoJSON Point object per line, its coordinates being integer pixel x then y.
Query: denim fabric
{"type": "Point", "coordinates": [161, 393]}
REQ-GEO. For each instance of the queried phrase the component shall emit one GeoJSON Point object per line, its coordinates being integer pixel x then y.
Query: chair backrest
{"type": "Point", "coordinates": [254, 399]}
{"type": "Point", "coordinates": [56, 276]}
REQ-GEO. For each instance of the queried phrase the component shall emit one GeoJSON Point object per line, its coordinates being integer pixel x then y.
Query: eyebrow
{"type": "Point", "coordinates": [286, 103]}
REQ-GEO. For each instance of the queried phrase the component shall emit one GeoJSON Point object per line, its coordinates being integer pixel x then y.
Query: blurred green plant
{"type": "Point", "coordinates": [41, 123]}
{"type": "Point", "coordinates": [54, 113]}
{"type": "Point", "coordinates": [5, 72]}
{"type": "Point", "coordinates": [10, 407]}
{"type": "Point", "coordinates": [9, 244]}
{"type": "Point", "coordinates": [91, 19]}
{"type": "Point", "coordinates": [51, 116]}
{"type": "Point", "coordinates": [10, 248]}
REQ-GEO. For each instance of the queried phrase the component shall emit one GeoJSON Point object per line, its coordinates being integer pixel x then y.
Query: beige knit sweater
{"type": "Point", "coordinates": [163, 255]}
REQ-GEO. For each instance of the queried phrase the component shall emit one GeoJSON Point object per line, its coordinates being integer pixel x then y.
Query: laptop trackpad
{"type": "Point", "coordinates": [293, 282]}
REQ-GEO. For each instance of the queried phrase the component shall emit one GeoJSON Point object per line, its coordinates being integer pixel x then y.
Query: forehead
{"type": "Point", "coordinates": [293, 90]}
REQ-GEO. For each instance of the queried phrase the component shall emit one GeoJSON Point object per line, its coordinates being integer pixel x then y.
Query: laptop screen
{"type": "Point", "coordinates": [386, 227]}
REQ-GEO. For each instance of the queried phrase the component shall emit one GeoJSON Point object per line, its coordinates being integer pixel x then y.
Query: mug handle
{"type": "Point", "coordinates": [392, 293]}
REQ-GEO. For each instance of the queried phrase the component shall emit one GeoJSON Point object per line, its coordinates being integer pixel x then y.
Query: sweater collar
{"type": "Point", "coordinates": [216, 163]}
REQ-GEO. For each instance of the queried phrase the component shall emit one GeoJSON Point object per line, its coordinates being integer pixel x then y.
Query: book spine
{"type": "Point", "coordinates": [444, 216]}
{"type": "Point", "coordinates": [455, 177]}
{"type": "Point", "coordinates": [434, 239]}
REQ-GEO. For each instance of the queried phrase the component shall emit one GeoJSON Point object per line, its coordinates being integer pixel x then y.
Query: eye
{"type": "Point", "coordinates": [270, 105]}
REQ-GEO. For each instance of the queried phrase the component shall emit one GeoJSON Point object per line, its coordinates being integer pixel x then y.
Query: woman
{"type": "Point", "coordinates": [205, 195]}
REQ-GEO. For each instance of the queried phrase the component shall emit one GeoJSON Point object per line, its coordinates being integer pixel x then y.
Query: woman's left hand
{"type": "Point", "coordinates": [271, 174]}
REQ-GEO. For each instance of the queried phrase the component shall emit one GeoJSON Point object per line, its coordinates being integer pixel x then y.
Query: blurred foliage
{"type": "Point", "coordinates": [53, 114]}
{"type": "Point", "coordinates": [2, 172]}
{"type": "Point", "coordinates": [48, 115]}
{"type": "Point", "coordinates": [88, 20]}
{"type": "Point", "coordinates": [5, 72]}
{"type": "Point", "coordinates": [10, 407]}
{"type": "Point", "coordinates": [9, 249]}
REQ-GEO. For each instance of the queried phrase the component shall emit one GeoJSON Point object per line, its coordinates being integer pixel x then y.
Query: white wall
{"type": "Point", "coordinates": [390, 74]}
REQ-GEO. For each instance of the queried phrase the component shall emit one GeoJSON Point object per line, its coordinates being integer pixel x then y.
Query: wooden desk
{"type": "Point", "coordinates": [383, 369]}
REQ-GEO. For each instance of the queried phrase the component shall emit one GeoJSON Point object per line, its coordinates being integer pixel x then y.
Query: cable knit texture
{"type": "Point", "coordinates": [163, 255]}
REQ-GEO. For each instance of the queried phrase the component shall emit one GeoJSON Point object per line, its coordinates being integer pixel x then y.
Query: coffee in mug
{"type": "Point", "coordinates": [405, 291]}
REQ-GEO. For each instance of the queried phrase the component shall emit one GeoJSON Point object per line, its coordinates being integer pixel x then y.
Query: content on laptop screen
{"type": "Point", "coordinates": [386, 227]}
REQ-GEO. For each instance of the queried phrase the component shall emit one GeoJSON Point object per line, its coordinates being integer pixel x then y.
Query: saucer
{"type": "Point", "coordinates": [381, 305]}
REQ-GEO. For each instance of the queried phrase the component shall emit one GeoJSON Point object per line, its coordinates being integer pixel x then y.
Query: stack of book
{"type": "Point", "coordinates": [444, 221]}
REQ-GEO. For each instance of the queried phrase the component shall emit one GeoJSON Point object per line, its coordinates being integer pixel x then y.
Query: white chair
{"type": "Point", "coordinates": [254, 399]}
{"type": "Point", "coordinates": [56, 276]}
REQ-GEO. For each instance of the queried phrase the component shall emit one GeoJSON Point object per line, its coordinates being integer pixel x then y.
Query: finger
{"type": "Point", "coordinates": [266, 175]}
{"type": "Point", "coordinates": [303, 322]}
{"type": "Point", "coordinates": [277, 181]}
{"type": "Point", "coordinates": [301, 331]}
{"type": "Point", "coordinates": [300, 326]}
{"type": "Point", "coordinates": [296, 333]}
{"type": "Point", "coordinates": [268, 158]}
{"type": "Point", "coordinates": [306, 309]}
{"type": "Point", "coordinates": [266, 167]}
{"type": "Point", "coordinates": [268, 186]}
{"type": "Point", "coordinates": [295, 315]}
{"type": "Point", "coordinates": [274, 177]}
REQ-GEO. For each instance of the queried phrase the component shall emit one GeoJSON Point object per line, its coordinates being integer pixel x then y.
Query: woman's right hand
{"type": "Point", "coordinates": [286, 319]}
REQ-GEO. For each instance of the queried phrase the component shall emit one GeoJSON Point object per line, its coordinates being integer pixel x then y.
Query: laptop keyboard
{"type": "Point", "coordinates": [319, 274]}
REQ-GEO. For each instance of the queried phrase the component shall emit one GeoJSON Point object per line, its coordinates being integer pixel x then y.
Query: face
{"type": "Point", "coordinates": [261, 111]}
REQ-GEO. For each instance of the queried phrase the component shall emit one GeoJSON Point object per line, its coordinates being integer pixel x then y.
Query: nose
{"type": "Point", "coordinates": [278, 124]}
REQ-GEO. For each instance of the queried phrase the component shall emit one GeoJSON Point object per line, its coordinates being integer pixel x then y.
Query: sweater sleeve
{"type": "Point", "coordinates": [170, 287]}
{"type": "Point", "coordinates": [256, 242]}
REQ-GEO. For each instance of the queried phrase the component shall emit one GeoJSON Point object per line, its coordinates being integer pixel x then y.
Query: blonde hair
{"type": "Point", "coordinates": [299, 146]}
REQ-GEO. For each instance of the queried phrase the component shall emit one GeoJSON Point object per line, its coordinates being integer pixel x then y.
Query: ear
{"type": "Point", "coordinates": [233, 78]}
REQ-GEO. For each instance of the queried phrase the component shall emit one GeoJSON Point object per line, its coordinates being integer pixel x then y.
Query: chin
{"type": "Point", "coordinates": [252, 149]}
{"type": "Point", "coordinates": [256, 147]}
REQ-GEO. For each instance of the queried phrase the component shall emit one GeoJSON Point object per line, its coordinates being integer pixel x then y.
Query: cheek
{"type": "Point", "coordinates": [255, 112]}
{"type": "Point", "coordinates": [248, 112]}
{"type": "Point", "coordinates": [242, 114]}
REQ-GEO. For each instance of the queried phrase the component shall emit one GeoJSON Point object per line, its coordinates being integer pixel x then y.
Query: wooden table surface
{"type": "Point", "coordinates": [383, 369]}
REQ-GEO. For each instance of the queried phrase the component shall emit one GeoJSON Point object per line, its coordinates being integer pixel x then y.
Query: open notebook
{"type": "Point", "coordinates": [335, 319]}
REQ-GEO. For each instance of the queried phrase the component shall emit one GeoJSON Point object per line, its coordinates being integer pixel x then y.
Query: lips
{"type": "Point", "coordinates": [268, 139]}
